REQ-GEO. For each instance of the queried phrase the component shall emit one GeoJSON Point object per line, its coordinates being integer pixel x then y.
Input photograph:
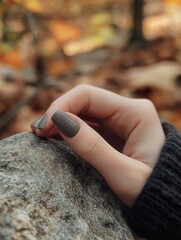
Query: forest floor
{"type": "Point", "coordinates": [47, 49]}
{"type": "Point", "coordinates": [153, 72]}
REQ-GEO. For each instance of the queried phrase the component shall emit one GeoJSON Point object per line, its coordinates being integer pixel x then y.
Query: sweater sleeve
{"type": "Point", "coordinates": [156, 213]}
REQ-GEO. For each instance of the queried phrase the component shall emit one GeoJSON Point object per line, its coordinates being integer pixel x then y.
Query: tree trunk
{"type": "Point", "coordinates": [137, 37]}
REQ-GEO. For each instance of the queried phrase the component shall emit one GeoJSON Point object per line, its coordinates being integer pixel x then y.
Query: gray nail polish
{"type": "Point", "coordinates": [40, 123]}
{"type": "Point", "coordinates": [68, 126]}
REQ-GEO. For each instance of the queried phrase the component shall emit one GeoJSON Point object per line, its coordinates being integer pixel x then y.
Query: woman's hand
{"type": "Point", "coordinates": [120, 137]}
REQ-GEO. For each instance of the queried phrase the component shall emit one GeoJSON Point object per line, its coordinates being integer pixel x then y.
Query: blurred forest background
{"type": "Point", "coordinates": [131, 47]}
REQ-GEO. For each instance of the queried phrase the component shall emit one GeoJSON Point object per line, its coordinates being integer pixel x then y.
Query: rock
{"type": "Point", "coordinates": [48, 193]}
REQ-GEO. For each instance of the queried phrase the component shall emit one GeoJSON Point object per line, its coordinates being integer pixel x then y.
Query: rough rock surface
{"type": "Point", "coordinates": [48, 193]}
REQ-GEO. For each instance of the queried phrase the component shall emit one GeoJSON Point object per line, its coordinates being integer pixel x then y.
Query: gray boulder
{"type": "Point", "coordinates": [48, 193]}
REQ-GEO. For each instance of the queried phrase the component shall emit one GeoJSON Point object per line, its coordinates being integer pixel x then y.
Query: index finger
{"type": "Point", "coordinates": [88, 100]}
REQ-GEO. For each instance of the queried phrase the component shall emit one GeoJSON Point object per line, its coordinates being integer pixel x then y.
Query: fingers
{"type": "Point", "coordinates": [97, 102]}
{"type": "Point", "coordinates": [105, 106]}
{"type": "Point", "coordinates": [132, 121]}
{"type": "Point", "coordinates": [125, 176]}
{"type": "Point", "coordinates": [85, 99]}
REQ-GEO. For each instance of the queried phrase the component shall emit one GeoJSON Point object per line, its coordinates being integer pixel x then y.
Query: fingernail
{"type": "Point", "coordinates": [40, 123]}
{"type": "Point", "coordinates": [68, 126]}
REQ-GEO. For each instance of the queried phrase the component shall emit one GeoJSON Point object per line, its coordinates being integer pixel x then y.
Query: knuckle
{"type": "Point", "coordinates": [147, 106]}
{"type": "Point", "coordinates": [82, 87]}
{"type": "Point", "coordinates": [93, 148]}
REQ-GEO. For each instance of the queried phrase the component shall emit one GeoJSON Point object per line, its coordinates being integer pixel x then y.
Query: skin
{"type": "Point", "coordinates": [120, 137]}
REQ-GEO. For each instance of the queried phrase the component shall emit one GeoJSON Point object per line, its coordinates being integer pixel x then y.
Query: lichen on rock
{"type": "Point", "coordinates": [49, 193]}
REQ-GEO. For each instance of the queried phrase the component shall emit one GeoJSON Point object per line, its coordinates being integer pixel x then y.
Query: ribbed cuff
{"type": "Point", "coordinates": [156, 214]}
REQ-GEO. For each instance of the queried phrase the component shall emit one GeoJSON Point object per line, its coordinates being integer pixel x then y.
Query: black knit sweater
{"type": "Point", "coordinates": [156, 214]}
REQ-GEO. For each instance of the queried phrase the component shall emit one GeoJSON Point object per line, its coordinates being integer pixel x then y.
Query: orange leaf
{"type": "Point", "coordinates": [11, 58]}
{"type": "Point", "coordinates": [64, 32]}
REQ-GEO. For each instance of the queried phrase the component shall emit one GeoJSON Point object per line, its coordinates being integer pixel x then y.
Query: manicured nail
{"type": "Point", "coordinates": [68, 126]}
{"type": "Point", "coordinates": [40, 123]}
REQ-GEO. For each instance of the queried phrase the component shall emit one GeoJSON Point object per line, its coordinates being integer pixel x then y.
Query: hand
{"type": "Point", "coordinates": [121, 137]}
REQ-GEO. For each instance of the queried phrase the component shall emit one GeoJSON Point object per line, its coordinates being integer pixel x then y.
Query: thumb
{"type": "Point", "coordinates": [121, 172]}
{"type": "Point", "coordinates": [85, 141]}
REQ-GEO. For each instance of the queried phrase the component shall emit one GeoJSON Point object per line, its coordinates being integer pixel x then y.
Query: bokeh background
{"type": "Point", "coordinates": [131, 47]}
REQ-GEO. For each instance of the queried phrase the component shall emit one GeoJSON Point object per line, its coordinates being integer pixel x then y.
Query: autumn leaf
{"type": "Point", "coordinates": [33, 5]}
{"type": "Point", "coordinates": [64, 32]}
{"type": "Point", "coordinates": [11, 58]}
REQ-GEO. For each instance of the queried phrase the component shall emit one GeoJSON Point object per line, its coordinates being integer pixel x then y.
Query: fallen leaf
{"type": "Point", "coordinates": [64, 32]}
